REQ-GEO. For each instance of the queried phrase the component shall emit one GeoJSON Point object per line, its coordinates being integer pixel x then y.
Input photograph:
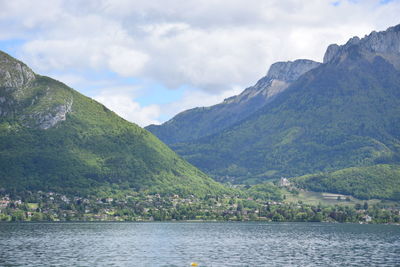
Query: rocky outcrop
{"type": "Point", "coordinates": [48, 119]}
{"type": "Point", "coordinates": [291, 70]}
{"type": "Point", "coordinates": [13, 73]}
{"type": "Point", "coordinates": [278, 78]}
{"type": "Point", "coordinates": [385, 44]}
{"type": "Point", "coordinates": [21, 99]}
{"type": "Point", "coordinates": [15, 76]}
{"type": "Point", "coordinates": [331, 52]}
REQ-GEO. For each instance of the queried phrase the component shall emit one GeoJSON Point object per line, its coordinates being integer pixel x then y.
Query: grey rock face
{"type": "Point", "coordinates": [18, 100]}
{"type": "Point", "coordinates": [385, 44]}
{"type": "Point", "coordinates": [46, 120]}
{"type": "Point", "coordinates": [13, 73]}
{"type": "Point", "coordinates": [14, 77]}
{"type": "Point", "coordinates": [278, 78]}
{"type": "Point", "coordinates": [265, 88]}
{"type": "Point", "coordinates": [291, 70]}
{"type": "Point", "coordinates": [331, 52]}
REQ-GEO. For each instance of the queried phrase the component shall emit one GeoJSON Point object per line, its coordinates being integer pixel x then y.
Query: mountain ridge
{"type": "Point", "coordinates": [383, 43]}
{"type": "Point", "coordinates": [199, 122]}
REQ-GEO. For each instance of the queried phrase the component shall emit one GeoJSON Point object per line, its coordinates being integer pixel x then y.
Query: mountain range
{"type": "Point", "coordinates": [304, 118]}
{"type": "Point", "coordinates": [332, 126]}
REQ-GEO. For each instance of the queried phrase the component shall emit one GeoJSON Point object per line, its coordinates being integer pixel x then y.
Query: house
{"type": "Point", "coordinates": [65, 199]}
{"type": "Point", "coordinates": [4, 201]}
{"type": "Point", "coordinates": [367, 218]}
{"type": "Point", "coordinates": [284, 182]}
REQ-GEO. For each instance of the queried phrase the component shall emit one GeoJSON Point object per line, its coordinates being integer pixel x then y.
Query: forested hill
{"type": "Point", "coordinates": [54, 138]}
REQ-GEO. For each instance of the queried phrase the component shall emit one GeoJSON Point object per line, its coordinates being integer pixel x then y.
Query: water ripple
{"type": "Point", "coordinates": [210, 244]}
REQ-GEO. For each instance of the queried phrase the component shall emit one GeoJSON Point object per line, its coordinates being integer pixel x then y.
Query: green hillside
{"type": "Point", "coordinates": [342, 114]}
{"type": "Point", "coordinates": [379, 181]}
{"type": "Point", "coordinates": [53, 138]}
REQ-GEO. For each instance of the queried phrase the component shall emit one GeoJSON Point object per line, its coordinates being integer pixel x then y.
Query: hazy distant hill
{"type": "Point", "coordinates": [53, 138]}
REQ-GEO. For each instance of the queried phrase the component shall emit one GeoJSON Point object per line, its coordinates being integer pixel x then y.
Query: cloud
{"type": "Point", "coordinates": [196, 98]}
{"type": "Point", "coordinates": [121, 101]}
{"type": "Point", "coordinates": [210, 46]}
{"type": "Point", "coordinates": [125, 61]}
{"type": "Point", "coordinates": [88, 42]}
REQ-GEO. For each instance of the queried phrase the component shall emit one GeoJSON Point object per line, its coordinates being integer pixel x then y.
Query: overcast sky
{"type": "Point", "coordinates": [148, 60]}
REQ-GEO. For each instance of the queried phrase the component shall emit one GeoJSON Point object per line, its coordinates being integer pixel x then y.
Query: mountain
{"type": "Point", "coordinates": [54, 138]}
{"type": "Point", "coordinates": [343, 113]}
{"type": "Point", "coordinates": [199, 122]}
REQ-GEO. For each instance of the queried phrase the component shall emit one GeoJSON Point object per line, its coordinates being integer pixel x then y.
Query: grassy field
{"type": "Point", "coordinates": [33, 206]}
{"type": "Point", "coordinates": [315, 198]}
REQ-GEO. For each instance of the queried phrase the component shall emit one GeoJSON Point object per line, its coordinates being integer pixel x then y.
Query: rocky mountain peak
{"type": "Point", "coordinates": [331, 52]}
{"type": "Point", "coordinates": [385, 44]}
{"type": "Point", "coordinates": [13, 73]}
{"type": "Point", "coordinates": [33, 100]}
{"type": "Point", "coordinates": [290, 71]}
{"type": "Point", "coordinates": [278, 78]}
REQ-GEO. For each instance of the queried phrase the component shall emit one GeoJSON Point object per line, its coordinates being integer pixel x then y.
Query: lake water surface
{"type": "Point", "coordinates": [208, 244]}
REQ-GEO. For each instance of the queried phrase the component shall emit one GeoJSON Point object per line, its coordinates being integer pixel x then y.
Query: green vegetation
{"type": "Point", "coordinates": [266, 191]}
{"type": "Point", "coordinates": [92, 150]}
{"type": "Point", "coordinates": [378, 181]}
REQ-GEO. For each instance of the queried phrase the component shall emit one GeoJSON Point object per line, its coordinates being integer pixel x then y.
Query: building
{"type": "Point", "coordinates": [284, 182]}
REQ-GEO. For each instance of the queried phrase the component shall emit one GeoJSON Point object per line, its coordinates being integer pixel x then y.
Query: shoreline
{"type": "Point", "coordinates": [194, 222]}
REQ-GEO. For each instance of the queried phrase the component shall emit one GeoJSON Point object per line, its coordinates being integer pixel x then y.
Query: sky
{"type": "Point", "coordinates": [148, 60]}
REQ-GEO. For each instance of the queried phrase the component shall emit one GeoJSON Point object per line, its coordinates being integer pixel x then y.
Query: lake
{"type": "Point", "coordinates": [208, 244]}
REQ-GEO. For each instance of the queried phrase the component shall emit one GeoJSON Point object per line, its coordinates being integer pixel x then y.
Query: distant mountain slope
{"type": "Point", "coordinates": [53, 138]}
{"type": "Point", "coordinates": [344, 113]}
{"type": "Point", "coordinates": [199, 122]}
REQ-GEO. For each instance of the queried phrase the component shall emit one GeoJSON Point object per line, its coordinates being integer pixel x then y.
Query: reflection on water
{"type": "Point", "coordinates": [209, 244]}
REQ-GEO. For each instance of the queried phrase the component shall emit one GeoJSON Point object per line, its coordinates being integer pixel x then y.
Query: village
{"type": "Point", "coordinates": [51, 206]}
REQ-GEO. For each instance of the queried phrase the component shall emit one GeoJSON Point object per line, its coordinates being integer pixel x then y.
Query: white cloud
{"type": "Point", "coordinates": [71, 80]}
{"type": "Point", "coordinates": [126, 62]}
{"type": "Point", "coordinates": [197, 98]}
{"type": "Point", "coordinates": [122, 102]}
{"type": "Point", "coordinates": [210, 45]}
